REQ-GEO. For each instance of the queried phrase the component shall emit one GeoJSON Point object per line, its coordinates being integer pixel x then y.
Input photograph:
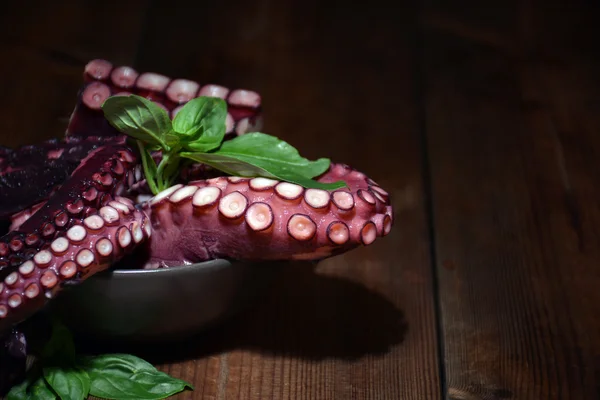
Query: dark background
{"type": "Point", "coordinates": [479, 117]}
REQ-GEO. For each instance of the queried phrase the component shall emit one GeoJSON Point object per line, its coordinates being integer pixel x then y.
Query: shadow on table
{"type": "Point", "coordinates": [304, 314]}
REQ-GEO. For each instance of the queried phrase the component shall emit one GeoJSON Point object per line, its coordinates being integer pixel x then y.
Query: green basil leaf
{"type": "Point", "coordinates": [124, 376]}
{"type": "Point", "coordinates": [201, 123]}
{"type": "Point", "coordinates": [68, 383]}
{"type": "Point", "coordinates": [32, 388]}
{"type": "Point", "coordinates": [121, 363]}
{"type": "Point", "coordinates": [172, 140]}
{"type": "Point", "coordinates": [238, 166]}
{"type": "Point", "coordinates": [138, 117]}
{"type": "Point", "coordinates": [272, 153]}
{"type": "Point", "coordinates": [140, 385]}
{"type": "Point", "coordinates": [259, 154]}
{"type": "Point", "coordinates": [149, 166]}
{"type": "Point", "coordinates": [60, 348]}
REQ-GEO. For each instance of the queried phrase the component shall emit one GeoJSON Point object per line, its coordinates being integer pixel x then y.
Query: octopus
{"type": "Point", "coordinates": [78, 205]}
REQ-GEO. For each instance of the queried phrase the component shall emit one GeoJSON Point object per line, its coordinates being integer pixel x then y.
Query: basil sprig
{"type": "Point", "coordinates": [258, 154]}
{"type": "Point", "coordinates": [60, 373]}
{"type": "Point", "coordinates": [196, 133]}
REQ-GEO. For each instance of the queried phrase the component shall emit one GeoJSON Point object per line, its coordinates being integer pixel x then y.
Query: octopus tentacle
{"type": "Point", "coordinates": [86, 220]}
{"type": "Point", "coordinates": [264, 219]}
{"type": "Point", "coordinates": [103, 174]}
{"type": "Point", "coordinates": [139, 190]}
{"type": "Point", "coordinates": [30, 174]}
{"type": "Point", "coordinates": [88, 247]}
{"type": "Point", "coordinates": [103, 79]}
{"type": "Point", "coordinates": [19, 218]}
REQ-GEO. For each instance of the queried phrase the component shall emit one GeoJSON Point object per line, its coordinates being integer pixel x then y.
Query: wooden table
{"type": "Point", "coordinates": [480, 118]}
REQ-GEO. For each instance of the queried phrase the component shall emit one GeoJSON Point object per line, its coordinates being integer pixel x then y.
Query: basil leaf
{"type": "Point", "coordinates": [31, 389]}
{"type": "Point", "coordinates": [140, 385]}
{"type": "Point", "coordinates": [172, 140]}
{"type": "Point", "coordinates": [272, 153]}
{"type": "Point", "coordinates": [201, 123]}
{"type": "Point", "coordinates": [259, 154]}
{"type": "Point", "coordinates": [149, 166]}
{"type": "Point", "coordinates": [237, 166]}
{"type": "Point", "coordinates": [138, 117]}
{"type": "Point", "coordinates": [121, 362]}
{"type": "Point", "coordinates": [68, 383]}
{"type": "Point", "coordinates": [124, 376]}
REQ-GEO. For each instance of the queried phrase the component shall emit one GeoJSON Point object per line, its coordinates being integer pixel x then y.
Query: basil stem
{"type": "Point", "coordinates": [159, 172]}
{"type": "Point", "coordinates": [149, 167]}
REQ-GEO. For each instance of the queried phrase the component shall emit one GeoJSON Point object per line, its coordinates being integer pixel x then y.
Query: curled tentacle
{"type": "Point", "coordinates": [30, 173]}
{"type": "Point", "coordinates": [21, 217]}
{"type": "Point", "coordinates": [88, 247]}
{"type": "Point", "coordinates": [85, 219]}
{"type": "Point", "coordinates": [105, 173]}
{"type": "Point", "coordinates": [103, 79]}
{"type": "Point", "coordinates": [264, 219]}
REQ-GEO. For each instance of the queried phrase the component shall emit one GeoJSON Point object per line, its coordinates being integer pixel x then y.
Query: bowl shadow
{"type": "Point", "coordinates": [302, 314]}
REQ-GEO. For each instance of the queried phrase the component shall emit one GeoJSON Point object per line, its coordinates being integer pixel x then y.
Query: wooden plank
{"type": "Point", "coordinates": [337, 82]}
{"type": "Point", "coordinates": [566, 97]}
{"type": "Point", "coordinates": [516, 292]}
{"type": "Point", "coordinates": [44, 48]}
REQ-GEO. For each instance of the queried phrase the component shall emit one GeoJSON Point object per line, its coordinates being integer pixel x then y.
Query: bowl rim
{"type": "Point", "coordinates": [189, 268]}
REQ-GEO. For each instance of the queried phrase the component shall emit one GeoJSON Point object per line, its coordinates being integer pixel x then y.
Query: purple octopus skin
{"type": "Point", "coordinates": [226, 217]}
{"type": "Point", "coordinates": [104, 80]}
{"type": "Point", "coordinates": [265, 219]}
{"type": "Point", "coordinates": [73, 236]}
{"type": "Point", "coordinates": [92, 220]}
{"type": "Point", "coordinates": [29, 174]}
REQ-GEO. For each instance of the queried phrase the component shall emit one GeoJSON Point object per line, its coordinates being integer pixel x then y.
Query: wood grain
{"type": "Point", "coordinates": [44, 48]}
{"type": "Point", "coordinates": [513, 220]}
{"type": "Point", "coordinates": [480, 119]}
{"type": "Point", "coordinates": [567, 92]}
{"type": "Point", "coordinates": [337, 81]}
